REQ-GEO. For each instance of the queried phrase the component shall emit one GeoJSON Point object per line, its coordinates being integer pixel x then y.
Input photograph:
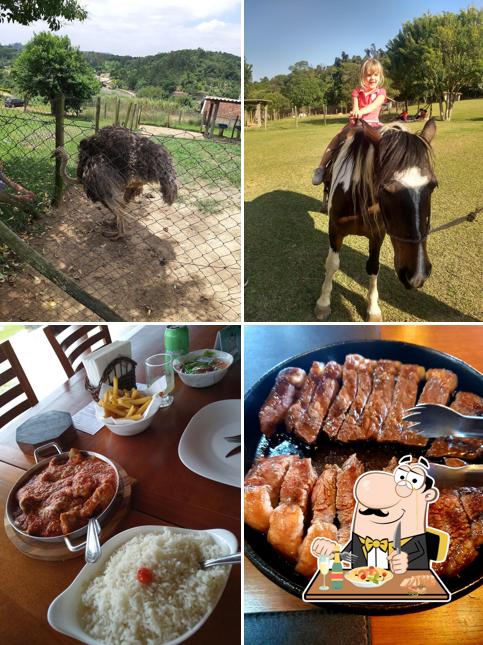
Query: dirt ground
{"type": "Point", "coordinates": [175, 263]}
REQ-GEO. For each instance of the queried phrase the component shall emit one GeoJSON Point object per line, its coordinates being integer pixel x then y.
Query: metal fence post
{"type": "Point", "coordinates": [98, 113]}
{"type": "Point", "coordinates": [59, 103]}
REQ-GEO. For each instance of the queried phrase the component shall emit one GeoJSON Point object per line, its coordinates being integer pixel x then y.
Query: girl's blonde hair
{"type": "Point", "coordinates": [370, 66]}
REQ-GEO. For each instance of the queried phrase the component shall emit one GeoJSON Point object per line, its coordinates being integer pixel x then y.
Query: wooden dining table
{"type": "Point", "coordinates": [459, 621]}
{"type": "Point", "coordinates": [165, 493]}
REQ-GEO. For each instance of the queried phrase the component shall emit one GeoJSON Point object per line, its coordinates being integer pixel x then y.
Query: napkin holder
{"type": "Point", "coordinates": [123, 367]}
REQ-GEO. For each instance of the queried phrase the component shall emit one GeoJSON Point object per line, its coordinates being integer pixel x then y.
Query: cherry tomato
{"type": "Point", "coordinates": [363, 576]}
{"type": "Point", "coordinates": [144, 576]}
{"type": "Point", "coordinates": [384, 574]}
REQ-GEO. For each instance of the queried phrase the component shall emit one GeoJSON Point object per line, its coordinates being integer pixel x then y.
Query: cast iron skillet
{"type": "Point", "coordinates": [373, 455]}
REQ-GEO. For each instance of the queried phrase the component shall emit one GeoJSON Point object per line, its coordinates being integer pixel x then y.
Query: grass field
{"type": "Point", "coordinates": [286, 237]}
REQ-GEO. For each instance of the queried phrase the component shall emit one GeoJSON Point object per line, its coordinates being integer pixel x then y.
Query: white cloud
{"type": "Point", "coordinates": [142, 27]}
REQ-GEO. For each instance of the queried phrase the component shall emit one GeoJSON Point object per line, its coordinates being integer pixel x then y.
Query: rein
{"type": "Point", "coordinates": [471, 217]}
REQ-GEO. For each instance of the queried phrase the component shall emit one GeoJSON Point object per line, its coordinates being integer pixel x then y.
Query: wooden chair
{"type": "Point", "coordinates": [77, 341]}
{"type": "Point", "coordinates": [10, 372]}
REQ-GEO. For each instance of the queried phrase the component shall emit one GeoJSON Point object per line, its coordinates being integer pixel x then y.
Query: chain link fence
{"type": "Point", "coordinates": [175, 262]}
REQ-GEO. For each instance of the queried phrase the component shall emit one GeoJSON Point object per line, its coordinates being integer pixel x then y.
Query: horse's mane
{"type": "Point", "coordinates": [376, 164]}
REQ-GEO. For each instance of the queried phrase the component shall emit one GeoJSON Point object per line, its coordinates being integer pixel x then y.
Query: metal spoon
{"type": "Point", "coordinates": [93, 546]}
{"type": "Point", "coordinates": [233, 558]}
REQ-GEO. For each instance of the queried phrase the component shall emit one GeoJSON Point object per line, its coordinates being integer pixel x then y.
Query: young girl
{"type": "Point", "coordinates": [367, 102]}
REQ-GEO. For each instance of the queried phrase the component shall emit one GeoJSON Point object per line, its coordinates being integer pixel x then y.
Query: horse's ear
{"type": "Point", "coordinates": [429, 130]}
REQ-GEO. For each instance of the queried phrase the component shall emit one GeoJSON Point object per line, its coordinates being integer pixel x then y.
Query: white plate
{"type": "Point", "coordinates": [63, 611]}
{"type": "Point", "coordinates": [202, 447]}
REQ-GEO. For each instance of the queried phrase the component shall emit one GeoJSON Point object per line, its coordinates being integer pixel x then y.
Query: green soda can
{"type": "Point", "coordinates": [176, 340]}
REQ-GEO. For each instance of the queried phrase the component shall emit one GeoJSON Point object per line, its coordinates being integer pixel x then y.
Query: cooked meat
{"type": "Point", "coordinates": [439, 386]}
{"type": "Point", "coordinates": [447, 514]}
{"type": "Point", "coordinates": [287, 385]}
{"type": "Point", "coordinates": [298, 409]}
{"type": "Point", "coordinates": [324, 493]}
{"type": "Point", "coordinates": [454, 462]}
{"type": "Point", "coordinates": [456, 447]}
{"type": "Point", "coordinates": [345, 503]}
{"type": "Point", "coordinates": [286, 529]}
{"type": "Point", "coordinates": [405, 395]}
{"type": "Point", "coordinates": [468, 404]}
{"type": "Point", "coordinates": [325, 391]}
{"type": "Point", "coordinates": [298, 483]}
{"type": "Point", "coordinates": [262, 490]}
{"type": "Point", "coordinates": [307, 563]}
{"type": "Point", "coordinates": [379, 403]}
{"type": "Point", "coordinates": [74, 490]}
{"type": "Point", "coordinates": [337, 412]}
{"type": "Point", "coordinates": [472, 501]}
{"type": "Point", "coordinates": [350, 429]}
{"type": "Point", "coordinates": [269, 471]}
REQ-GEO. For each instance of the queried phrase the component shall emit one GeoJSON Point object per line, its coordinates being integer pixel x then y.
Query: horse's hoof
{"type": "Point", "coordinates": [322, 313]}
{"type": "Point", "coordinates": [374, 317]}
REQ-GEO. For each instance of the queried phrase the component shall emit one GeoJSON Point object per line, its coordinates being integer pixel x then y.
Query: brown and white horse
{"type": "Point", "coordinates": [382, 182]}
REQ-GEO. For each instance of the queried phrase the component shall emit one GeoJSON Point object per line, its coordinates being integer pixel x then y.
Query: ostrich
{"type": "Point", "coordinates": [113, 167]}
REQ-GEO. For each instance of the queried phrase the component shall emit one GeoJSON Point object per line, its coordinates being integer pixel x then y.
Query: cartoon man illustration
{"type": "Point", "coordinates": [388, 504]}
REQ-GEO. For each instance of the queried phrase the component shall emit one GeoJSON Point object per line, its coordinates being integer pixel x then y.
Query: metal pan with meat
{"type": "Point", "coordinates": [54, 500]}
{"type": "Point", "coordinates": [318, 421]}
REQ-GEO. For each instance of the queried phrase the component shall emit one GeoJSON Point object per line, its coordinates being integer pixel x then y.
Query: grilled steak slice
{"type": "Point", "coordinates": [472, 501]}
{"type": "Point", "coordinates": [439, 386]}
{"type": "Point", "coordinates": [405, 395]}
{"type": "Point", "coordinates": [350, 429]}
{"type": "Point", "coordinates": [286, 530]}
{"type": "Point", "coordinates": [307, 563]}
{"type": "Point", "coordinates": [288, 383]}
{"type": "Point", "coordinates": [297, 410]}
{"type": "Point", "coordinates": [298, 483]}
{"type": "Point", "coordinates": [326, 388]}
{"type": "Point", "coordinates": [324, 494]}
{"type": "Point", "coordinates": [339, 408]}
{"type": "Point", "coordinates": [345, 502]}
{"type": "Point", "coordinates": [379, 403]}
{"type": "Point", "coordinates": [262, 490]}
{"type": "Point", "coordinates": [470, 405]}
{"type": "Point", "coordinates": [448, 514]}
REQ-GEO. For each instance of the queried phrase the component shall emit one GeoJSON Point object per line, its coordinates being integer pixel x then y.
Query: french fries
{"type": "Point", "coordinates": [124, 404]}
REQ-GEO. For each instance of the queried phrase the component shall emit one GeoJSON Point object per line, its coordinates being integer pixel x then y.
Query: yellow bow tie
{"type": "Point", "coordinates": [370, 544]}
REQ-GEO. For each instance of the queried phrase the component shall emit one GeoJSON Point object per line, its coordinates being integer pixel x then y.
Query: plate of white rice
{"type": "Point", "coordinates": [147, 588]}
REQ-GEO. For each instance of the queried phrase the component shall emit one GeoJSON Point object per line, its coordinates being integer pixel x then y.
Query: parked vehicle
{"type": "Point", "coordinates": [13, 102]}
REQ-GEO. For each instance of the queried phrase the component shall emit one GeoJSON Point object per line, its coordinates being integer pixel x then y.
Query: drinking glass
{"type": "Point", "coordinates": [323, 562]}
{"type": "Point", "coordinates": [160, 374]}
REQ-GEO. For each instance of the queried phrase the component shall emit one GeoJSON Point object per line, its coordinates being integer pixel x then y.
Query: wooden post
{"type": "Point", "coordinates": [214, 119]}
{"type": "Point", "coordinates": [179, 118]}
{"type": "Point", "coordinates": [325, 114]}
{"type": "Point", "coordinates": [208, 118]}
{"type": "Point", "coordinates": [134, 116]}
{"type": "Point", "coordinates": [234, 126]}
{"type": "Point", "coordinates": [265, 115]}
{"type": "Point", "coordinates": [98, 113]}
{"type": "Point", "coordinates": [34, 259]}
{"type": "Point", "coordinates": [105, 109]}
{"type": "Point", "coordinates": [139, 115]}
{"type": "Point", "coordinates": [59, 103]}
{"type": "Point", "coordinates": [129, 108]}
{"type": "Point", "coordinates": [116, 114]}
{"type": "Point", "coordinates": [296, 117]}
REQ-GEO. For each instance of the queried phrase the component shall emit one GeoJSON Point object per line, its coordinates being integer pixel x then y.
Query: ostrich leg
{"type": "Point", "coordinates": [116, 207]}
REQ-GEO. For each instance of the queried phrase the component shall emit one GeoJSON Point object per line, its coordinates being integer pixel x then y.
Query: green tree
{"type": "Point", "coordinates": [29, 11]}
{"type": "Point", "coordinates": [49, 66]}
{"type": "Point", "coordinates": [435, 56]}
{"type": "Point", "coordinates": [303, 87]}
{"type": "Point", "coordinates": [248, 77]}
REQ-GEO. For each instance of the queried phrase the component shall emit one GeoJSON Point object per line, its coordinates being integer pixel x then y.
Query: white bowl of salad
{"type": "Point", "coordinates": [203, 367]}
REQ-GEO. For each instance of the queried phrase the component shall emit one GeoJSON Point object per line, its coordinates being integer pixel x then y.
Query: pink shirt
{"type": "Point", "coordinates": [364, 99]}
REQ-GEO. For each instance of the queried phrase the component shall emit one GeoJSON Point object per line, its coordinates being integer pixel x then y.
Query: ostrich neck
{"type": "Point", "coordinates": [67, 178]}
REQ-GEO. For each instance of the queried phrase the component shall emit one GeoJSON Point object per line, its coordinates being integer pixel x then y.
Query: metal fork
{"type": "Point", "coordinates": [348, 556]}
{"type": "Point", "coordinates": [434, 420]}
{"type": "Point", "coordinates": [233, 558]}
{"type": "Point", "coordinates": [451, 476]}
{"type": "Point", "coordinates": [235, 438]}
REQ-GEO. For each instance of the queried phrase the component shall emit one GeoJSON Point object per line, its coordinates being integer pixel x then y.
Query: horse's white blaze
{"type": "Point", "coordinates": [373, 308]}
{"type": "Point", "coordinates": [411, 177]}
{"type": "Point", "coordinates": [342, 172]}
{"type": "Point", "coordinates": [419, 275]}
{"type": "Point", "coordinates": [331, 266]}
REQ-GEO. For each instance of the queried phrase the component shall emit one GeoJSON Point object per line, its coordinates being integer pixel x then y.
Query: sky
{"type": "Point", "coordinates": [144, 27]}
{"type": "Point", "coordinates": [279, 33]}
